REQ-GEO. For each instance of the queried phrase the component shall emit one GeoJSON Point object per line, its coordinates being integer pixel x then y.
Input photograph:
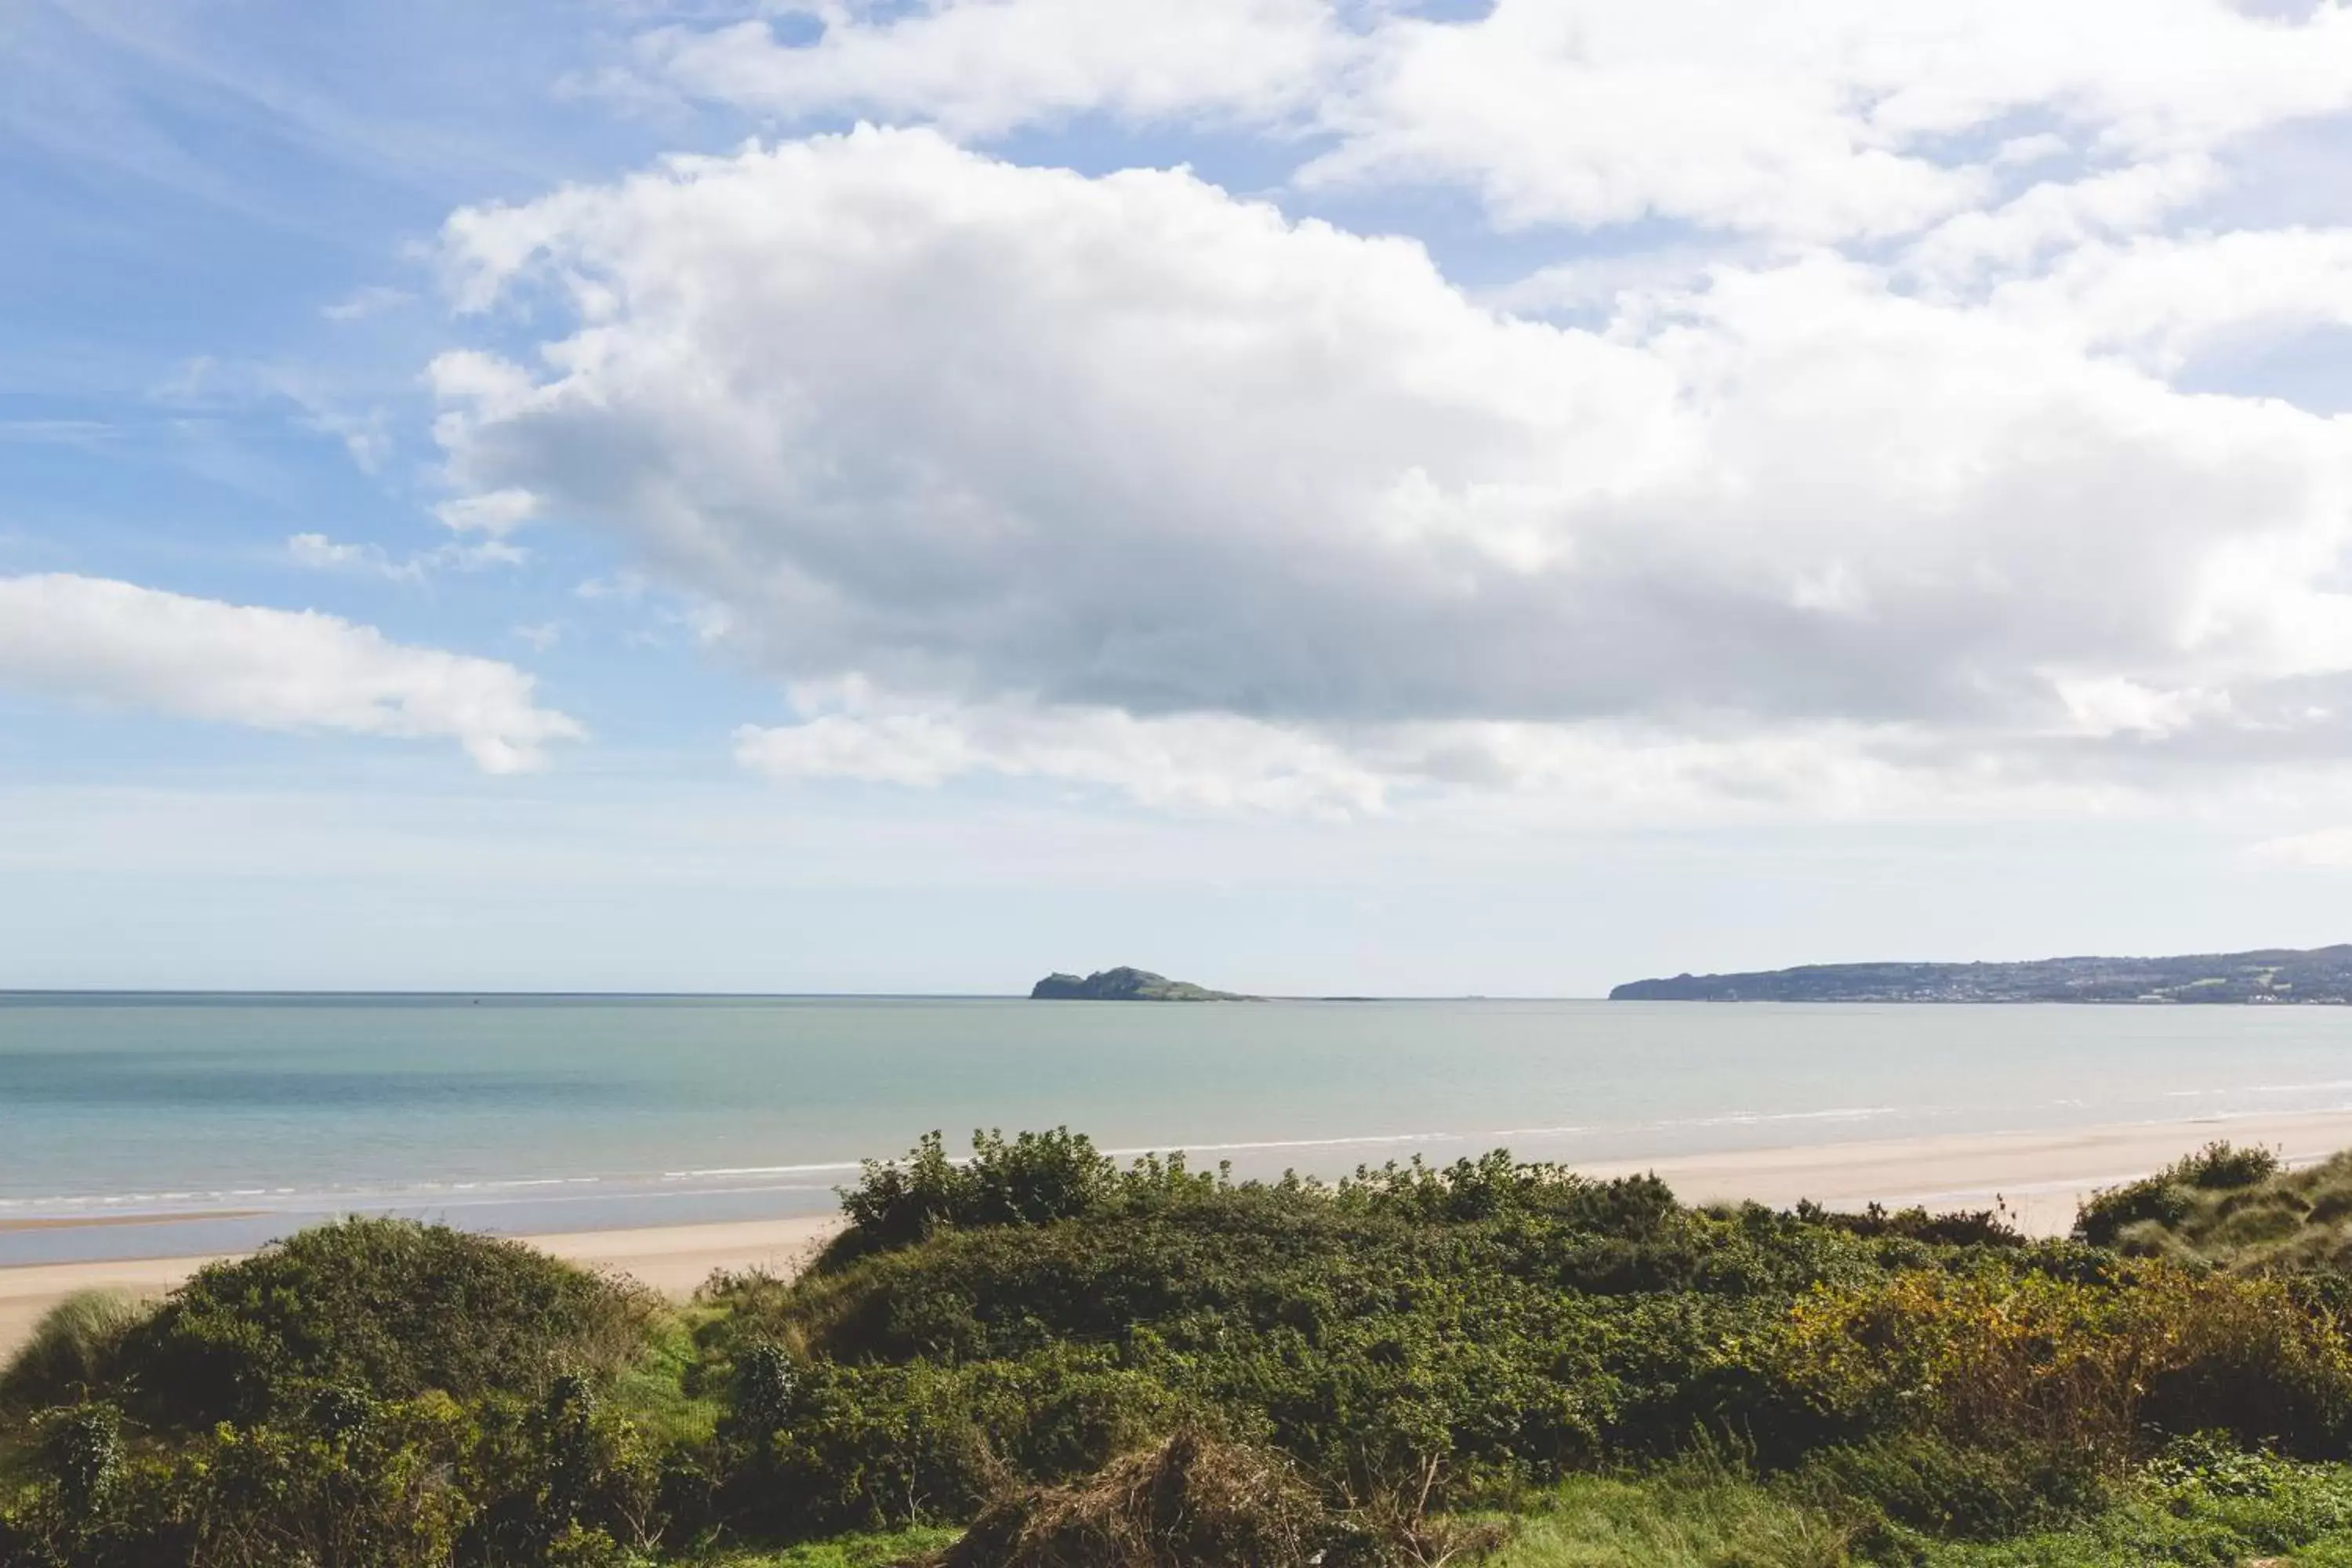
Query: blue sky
{"type": "Point", "coordinates": [1309, 496]}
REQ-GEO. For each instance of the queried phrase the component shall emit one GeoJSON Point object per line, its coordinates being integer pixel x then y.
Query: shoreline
{"type": "Point", "coordinates": [2038, 1177]}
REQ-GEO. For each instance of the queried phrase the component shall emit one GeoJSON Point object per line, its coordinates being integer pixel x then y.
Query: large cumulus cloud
{"type": "Point", "coordinates": [991, 439]}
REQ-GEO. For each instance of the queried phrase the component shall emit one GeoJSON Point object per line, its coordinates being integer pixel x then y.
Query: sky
{"type": "Point", "coordinates": [1309, 496]}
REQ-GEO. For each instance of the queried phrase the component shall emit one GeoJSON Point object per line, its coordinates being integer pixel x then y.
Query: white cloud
{"type": "Point", "coordinates": [322, 553]}
{"type": "Point", "coordinates": [92, 639]}
{"type": "Point", "coordinates": [1819, 121]}
{"type": "Point", "coordinates": [2329, 847]}
{"type": "Point", "coordinates": [2162, 301]}
{"type": "Point", "coordinates": [1189, 761]}
{"type": "Point", "coordinates": [1484, 774]}
{"type": "Point", "coordinates": [1828, 119]}
{"type": "Point", "coordinates": [987, 68]}
{"type": "Point", "coordinates": [1057, 459]}
{"type": "Point", "coordinates": [362, 303]}
{"type": "Point", "coordinates": [495, 512]}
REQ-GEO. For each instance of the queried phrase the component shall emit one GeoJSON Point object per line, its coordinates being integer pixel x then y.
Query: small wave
{"type": "Point", "coordinates": [719, 1171]}
{"type": "Point", "coordinates": [1364, 1139]}
{"type": "Point", "coordinates": [1757, 1118]}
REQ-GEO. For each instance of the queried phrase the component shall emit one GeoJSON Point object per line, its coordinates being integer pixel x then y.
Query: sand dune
{"type": "Point", "coordinates": [2038, 1176]}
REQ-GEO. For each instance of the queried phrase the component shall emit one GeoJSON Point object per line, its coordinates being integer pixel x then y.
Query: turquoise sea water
{"type": "Point", "coordinates": [541, 1114]}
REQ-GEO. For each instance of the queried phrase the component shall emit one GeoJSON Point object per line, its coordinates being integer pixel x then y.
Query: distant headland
{"type": "Point", "coordinates": [2319, 974]}
{"type": "Point", "coordinates": [1125, 985]}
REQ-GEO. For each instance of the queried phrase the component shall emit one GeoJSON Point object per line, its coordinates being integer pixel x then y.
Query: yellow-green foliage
{"type": "Point", "coordinates": [1998, 1356]}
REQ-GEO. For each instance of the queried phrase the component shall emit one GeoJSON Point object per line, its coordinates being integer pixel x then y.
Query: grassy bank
{"type": "Point", "coordinates": [1035, 1357]}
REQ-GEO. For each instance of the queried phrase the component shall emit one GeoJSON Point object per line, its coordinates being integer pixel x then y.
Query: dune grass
{"type": "Point", "coordinates": [1699, 1520]}
{"type": "Point", "coordinates": [66, 1350]}
{"type": "Point", "coordinates": [871, 1549]}
{"type": "Point", "coordinates": [2233, 1208]}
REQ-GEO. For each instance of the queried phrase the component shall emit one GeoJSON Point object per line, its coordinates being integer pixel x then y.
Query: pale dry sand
{"type": "Point", "coordinates": [672, 1258]}
{"type": "Point", "coordinates": [2038, 1176]}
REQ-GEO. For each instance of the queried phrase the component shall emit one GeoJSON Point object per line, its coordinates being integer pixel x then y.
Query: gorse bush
{"type": "Point", "coordinates": [1036, 1178]}
{"type": "Point", "coordinates": [1993, 1357]}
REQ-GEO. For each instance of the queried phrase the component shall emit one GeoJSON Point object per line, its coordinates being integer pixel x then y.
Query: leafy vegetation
{"type": "Point", "coordinates": [1035, 1356]}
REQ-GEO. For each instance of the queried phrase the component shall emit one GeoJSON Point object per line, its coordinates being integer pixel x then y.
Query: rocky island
{"type": "Point", "coordinates": [1125, 985]}
{"type": "Point", "coordinates": [2320, 974]}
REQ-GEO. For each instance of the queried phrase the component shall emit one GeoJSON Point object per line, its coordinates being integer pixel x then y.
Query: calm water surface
{"type": "Point", "coordinates": [550, 1113]}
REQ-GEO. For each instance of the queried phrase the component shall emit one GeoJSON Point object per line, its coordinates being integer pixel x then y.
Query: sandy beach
{"type": "Point", "coordinates": [2039, 1177]}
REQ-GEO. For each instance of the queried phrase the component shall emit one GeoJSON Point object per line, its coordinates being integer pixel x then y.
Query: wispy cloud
{"type": "Point", "coordinates": [322, 553]}
{"type": "Point", "coordinates": [372, 300]}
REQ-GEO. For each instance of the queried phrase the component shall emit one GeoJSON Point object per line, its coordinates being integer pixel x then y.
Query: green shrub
{"type": "Point", "coordinates": [1495, 1186]}
{"type": "Point", "coordinates": [1037, 1178]}
{"type": "Point", "coordinates": [1007, 1334]}
{"type": "Point", "coordinates": [826, 1446]}
{"type": "Point", "coordinates": [393, 1307]}
{"type": "Point", "coordinates": [1973, 1227]}
{"type": "Point", "coordinates": [563, 1479]}
{"type": "Point", "coordinates": [2203, 1502]}
{"type": "Point", "coordinates": [2222, 1165]}
{"type": "Point", "coordinates": [2106, 1214]}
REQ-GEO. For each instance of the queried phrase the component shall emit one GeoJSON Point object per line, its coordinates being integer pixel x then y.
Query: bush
{"type": "Point", "coordinates": [563, 1479]}
{"type": "Point", "coordinates": [1495, 1186]}
{"type": "Point", "coordinates": [2221, 1166]}
{"type": "Point", "coordinates": [1994, 1358]}
{"type": "Point", "coordinates": [389, 1306]}
{"type": "Point", "coordinates": [1036, 1179]}
{"type": "Point", "coordinates": [826, 1446]}
{"type": "Point", "coordinates": [1971, 1227]}
{"type": "Point", "coordinates": [1012, 1338]}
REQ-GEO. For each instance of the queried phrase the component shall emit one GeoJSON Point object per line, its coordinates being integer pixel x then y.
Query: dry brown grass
{"type": "Point", "coordinates": [1192, 1501]}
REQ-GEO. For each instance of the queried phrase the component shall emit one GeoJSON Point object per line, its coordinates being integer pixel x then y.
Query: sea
{"type": "Point", "coordinates": [254, 1114]}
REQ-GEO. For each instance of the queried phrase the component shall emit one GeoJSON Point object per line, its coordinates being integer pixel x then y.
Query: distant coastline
{"type": "Point", "coordinates": [2320, 976]}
